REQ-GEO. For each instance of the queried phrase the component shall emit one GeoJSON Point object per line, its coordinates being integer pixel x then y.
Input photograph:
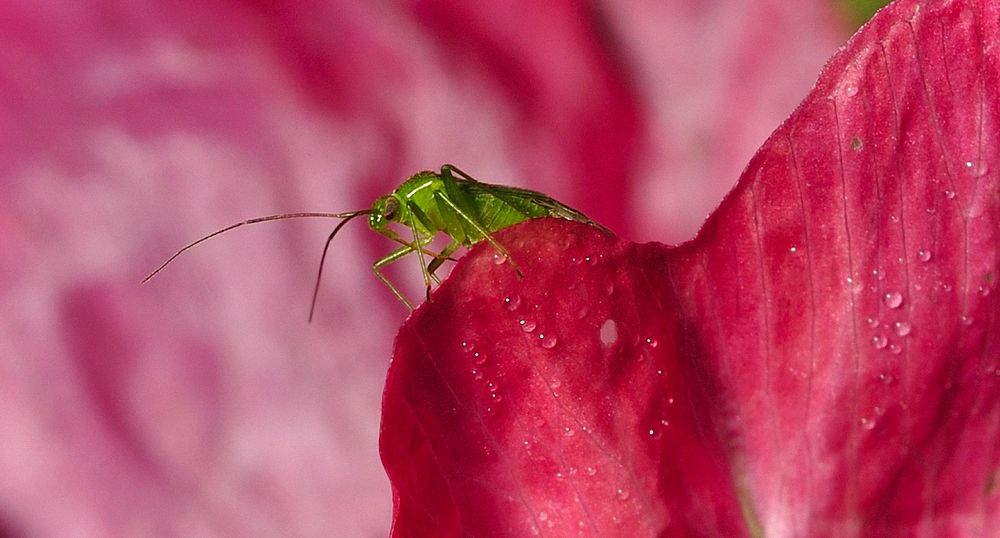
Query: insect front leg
{"type": "Point", "coordinates": [389, 258]}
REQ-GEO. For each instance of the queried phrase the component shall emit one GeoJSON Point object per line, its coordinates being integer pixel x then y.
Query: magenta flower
{"type": "Point", "coordinates": [763, 400]}
{"type": "Point", "coordinates": [822, 360]}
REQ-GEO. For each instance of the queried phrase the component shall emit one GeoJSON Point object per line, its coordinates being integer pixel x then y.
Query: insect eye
{"type": "Point", "coordinates": [391, 206]}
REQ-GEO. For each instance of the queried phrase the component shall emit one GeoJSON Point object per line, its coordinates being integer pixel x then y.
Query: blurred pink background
{"type": "Point", "coordinates": [202, 403]}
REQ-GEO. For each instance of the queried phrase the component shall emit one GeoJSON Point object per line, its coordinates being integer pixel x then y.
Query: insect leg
{"type": "Point", "coordinates": [420, 251]}
{"type": "Point", "coordinates": [389, 258]}
{"type": "Point", "coordinates": [442, 257]}
{"type": "Point", "coordinates": [479, 229]}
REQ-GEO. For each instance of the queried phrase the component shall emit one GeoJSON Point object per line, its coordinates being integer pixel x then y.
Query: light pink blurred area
{"type": "Point", "coordinates": [202, 403]}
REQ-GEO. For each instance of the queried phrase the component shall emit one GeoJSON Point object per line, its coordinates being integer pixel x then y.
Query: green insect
{"type": "Point", "coordinates": [449, 202]}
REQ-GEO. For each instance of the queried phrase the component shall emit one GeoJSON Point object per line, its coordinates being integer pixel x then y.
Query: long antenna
{"type": "Point", "coordinates": [345, 216]}
{"type": "Point", "coordinates": [322, 259]}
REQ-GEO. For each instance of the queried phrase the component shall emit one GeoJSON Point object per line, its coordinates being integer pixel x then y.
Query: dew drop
{"type": "Point", "coordinates": [851, 90]}
{"type": "Point", "coordinates": [512, 302]}
{"type": "Point", "coordinates": [568, 432]}
{"type": "Point", "coordinates": [622, 494]}
{"type": "Point", "coordinates": [878, 274]}
{"type": "Point", "coordinates": [527, 325]}
{"type": "Point", "coordinates": [468, 346]}
{"type": "Point", "coordinates": [476, 374]}
{"type": "Point", "coordinates": [499, 258]}
{"type": "Point", "coordinates": [924, 255]}
{"type": "Point", "coordinates": [867, 423]}
{"type": "Point", "coordinates": [968, 320]}
{"type": "Point", "coordinates": [893, 299]}
{"type": "Point", "coordinates": [542, 516]}
{"type": "Point", "coordinates": [879, 341]}
{"type": "Point", "coordinates": [555, 383]}
{"type": "Point", "coordinates": [983, 291]}
{"type": "Point", "coordinates": [478, 358]}
{"type": "Point", "coordinates": [548, 342]}
{"type": "Point", "coordinates": [946, 286]}
{"type": "Point", "coordinates": [590, 471]}
{"type": "Point", "coordinates": [886, 378]}
{"type": "Point", "coordinates": [895, 349]}
{"type": "Point", "coordinates": [949, 194]}
{"type": "Point", "coordinates": [609, 333]}
{"type": "Point", "coordinates": [609, 289]}
{"type": "Point", "coordinates": [894, 218]}
{"type": "Point", "coordinates": [651, 342]}
{"type": "Point", "coordinates": [792, 249]}
{"type": "Point", "coordinates": [902, 328]}
{"type": "Point", "coordinates": [873, 323]}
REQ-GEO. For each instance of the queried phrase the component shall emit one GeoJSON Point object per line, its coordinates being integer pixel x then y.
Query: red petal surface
{"type": "Point", "coordinates": [822, 359]}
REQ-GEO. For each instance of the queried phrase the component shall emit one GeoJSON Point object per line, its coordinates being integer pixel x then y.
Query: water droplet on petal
{"type": "Point", "coordinates": [568, 432]}
{"type": "Point", "coordinates": [879, 341]}
{"type": "Point", "coordinates": [555, 383]}
{"type": "Point", "coordinates": [983, 291]}
{"type": "Point", "coordinates": [512, 302]}
{"type": "Point", "coordinates": [873, 323]}
{"type": "Point", "coordinates": [548, 342]}
{"type": "Point", "coordinates": [590, 471]}
{"type": "Point", "coordinates": [924, 255]}
{"type": "Point", "coordinates": [499, 258]}
{"type": "Point", "coordinates": [893, 299]}
{"type": "Point", "coordinates": [894, 349]}
{"type": "Point", "coordinates": [945, 286]}
{"type": "Point", "coordinates": [851, 90]}
{"type": "Point", "coordinates": [609, 333]}
{"type": "Point", "coordinates": [867, 423]}
{"type": "Point", "coordinates": [527, 325]}
{"type": "Point", "coordinates": [968, 320]}
{"type": "Point", "coordinates": [651, 342]}
{"type": "Point", "coordinates": [622, 494]}
{"type": "Point", "coordinates": [949, 194]}
{"type": "Point", "coordinates": [902, 328]}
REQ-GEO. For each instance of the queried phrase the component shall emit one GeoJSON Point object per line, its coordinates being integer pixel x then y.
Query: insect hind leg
{"type": "Point", "coordinates": [464, 216]}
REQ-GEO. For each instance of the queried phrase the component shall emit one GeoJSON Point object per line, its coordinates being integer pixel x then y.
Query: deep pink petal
{"type": "Point", "coordinates": [825, 356]}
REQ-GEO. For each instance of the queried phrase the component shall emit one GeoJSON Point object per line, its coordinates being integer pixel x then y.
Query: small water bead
{"type": "Point", "coordinates": [893, 299]}
{"type": "Point", "coordinates": [867, 423]}
{"type": "Point", "coordinates": [902, 328]}
{"type": "Point", "coordinates": [873, 323]}
{"type": "Point", "coordinates": [651, 342]}
{"type": "Point", "coordinates": [968, 320]}
{"type": "Point", "coordinates": [476, 374]}
{"type": "Point", "coordinates": [609, 332]}
{"type": "Point", "coordinates": [548, 342]}
{"type": "Point", "coordinates": [568, 432]}
{"type": "Point", "coordinates": [895, 349]}
{"type": "Point", "coordinates": [880, 275]}
{"type": "Point", "coordinates": [512, 302]}
{"type": "Point", "coordinates": [879, 341]}
{"type": "Point", "coordinates": [946, 286]}
{"type": "Point", "coordinates": [468, 346]}
{"type": "Point", "coordinates": [924, 255]}
{"type": "Point", "coordinates": [590, 471]}
{"type": "Point", "coordinates": [542, 516]}
{"type": "Point", "coordinates": [478, 358]}
{"type": "Point", "coordinates": [792, 250]}
{"type": "Point", "coordinates": [983, 291]}
{"type": "Point", "coordinates": [622, 494]}
{"type": "Point", "coordinates": [949, 194]}
{"type": "Point", "coordinates": [555, 383]}
{"type": "Point", "coordinates": [851, 90]}
{"type": "Point", "coordinates": [499, 258]}
{"type": "Point", "coordinates": [527, 325]}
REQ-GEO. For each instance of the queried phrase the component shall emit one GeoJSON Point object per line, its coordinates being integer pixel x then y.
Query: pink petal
{"type": "Point", "coordinates": [826, 351]}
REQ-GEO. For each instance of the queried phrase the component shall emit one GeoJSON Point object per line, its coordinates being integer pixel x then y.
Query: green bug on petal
{"type": "Point", "coordinates": [448, 202]}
